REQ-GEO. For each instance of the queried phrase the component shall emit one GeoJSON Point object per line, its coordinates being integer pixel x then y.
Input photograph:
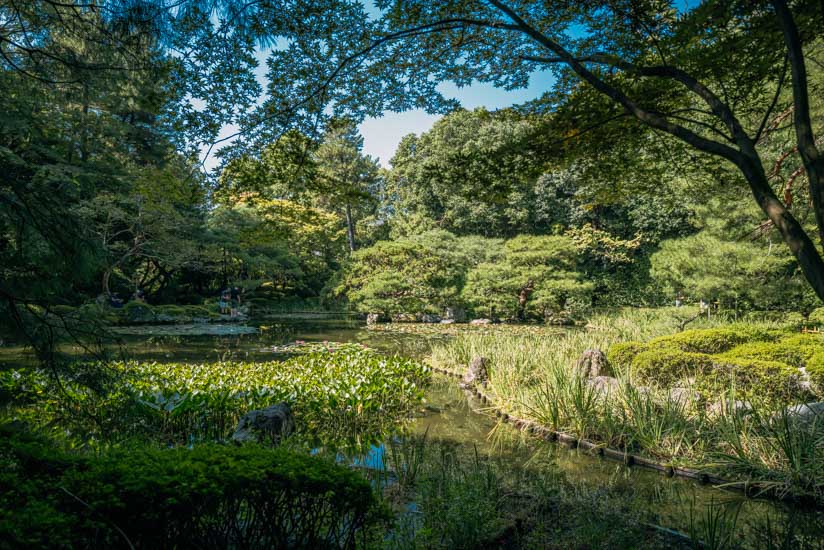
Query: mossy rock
{"type": "Point", "coordinates": [138, 312]}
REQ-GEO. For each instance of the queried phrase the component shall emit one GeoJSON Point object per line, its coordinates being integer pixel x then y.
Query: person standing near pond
{"type": "Point", "coordinates": [235, 295]}
{"type": "Point", "coordinates": [223, 302]}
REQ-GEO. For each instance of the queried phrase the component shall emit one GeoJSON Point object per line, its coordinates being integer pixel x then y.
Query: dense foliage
{"type": "Point", "coordinates": [209, 497]}
{"type": "Point", "coordinates": [338, 395]}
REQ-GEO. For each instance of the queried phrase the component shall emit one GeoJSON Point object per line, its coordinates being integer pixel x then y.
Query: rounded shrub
{"type": "Point", "coordinates": [208, 497]}
{"type": "Point", "coordinates": [815, 370]}
{"type": "Point", "coordinates": [622, 354]}
{"type": "Point", "coordinates": [713, 340]}
{"type": "Point", "coordinates": [773, 380]}
{"type": "Point", "coordinates": [816, 316]}
{"type": "Point", "coordinates": [766, 351]}
{"type": "Point", "coordinates": [665, 366]}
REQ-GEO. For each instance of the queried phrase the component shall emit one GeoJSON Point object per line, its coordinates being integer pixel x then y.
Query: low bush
{"type": "Point", "coordinates": [665, 367]}
{"type": "Point", "coordinates": [622, 354]}
{"type": "Point", "coordinates": [816, 316]}
{"type": "Point", "coordinates": [815, 370]}
{"type": "Point", "coordinates": [772, 380]}
{"type": "Point", "coordinates": [207, 497]}
{"type": "Point", "coordinates": [714, 340]}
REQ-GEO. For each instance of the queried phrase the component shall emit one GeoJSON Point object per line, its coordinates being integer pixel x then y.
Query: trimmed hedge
{"type": "Point", "coordinates": [622, 355]}
{"type": "Point", "coordinates": [716, 340]}
{"type": "Point", "coordinates": [758, 361]}
{"type": "Point", "coordinates": [815, 370]}
{"type": "Point", "coordinates": [772, 379]}
{"type": "Point", "coordinates": [666, 366]}
{"type": "Point", "coordinates": [208, 497]}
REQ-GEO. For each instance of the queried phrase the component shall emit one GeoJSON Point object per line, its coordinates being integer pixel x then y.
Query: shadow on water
{"type": "Point", "coordinates": [450, 415]}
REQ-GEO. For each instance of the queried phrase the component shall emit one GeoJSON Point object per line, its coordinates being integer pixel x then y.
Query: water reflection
{"type": "Point", "coordinates": [449, 416]}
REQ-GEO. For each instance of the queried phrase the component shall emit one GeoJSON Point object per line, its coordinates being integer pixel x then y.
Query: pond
{"type": "Point", "coordinates": [448, 414]}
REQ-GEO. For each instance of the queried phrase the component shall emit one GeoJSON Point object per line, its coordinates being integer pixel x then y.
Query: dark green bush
{"type": "Point", "coordinates": [208, 497]}
{"type": "Point", "coordinates": [137, 312]}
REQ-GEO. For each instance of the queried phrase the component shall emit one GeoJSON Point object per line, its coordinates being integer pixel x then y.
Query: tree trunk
{"type": "Point", "coordinates": [106, 276]}
{"type": "Point", "coordinates": [84, 125]}
{"type": "Point", "coordinates": [800, 244]}
{"type": "Point", "coordinates": [350, 228]}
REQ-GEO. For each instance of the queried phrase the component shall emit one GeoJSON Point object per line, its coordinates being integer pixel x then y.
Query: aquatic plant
{"type": "Point", "coordinates": [350, 392]}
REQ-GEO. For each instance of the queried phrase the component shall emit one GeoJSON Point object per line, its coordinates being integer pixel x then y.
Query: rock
{"type": "Point", "coordinates": [428, 318]}
{"type": "Point", "coordinates": [374, 319]}
{"type": "Point", "coordinates": [480, 322]}
{"type": "Point", "coordinates": [200, 320]}
{"type": "Point", "coordinates": [476, 373]}
{"type": "Point", "coordinates": [456, 314]}
{"type": "Point", "coordinates": [684, 396]}
{"type": "Point", "coordinates": [593, 363]}
{"type": "Point", "coordinates": [804, 412]}
{"type": "Point", "coordinates": [404, 318]}
{"type": "Point", "coordinates": [723, 406]}
{"type": "Point", "coordinates": [165, 318]}
{"type": "Point", "coordinates": [268, 425]}
{"type": "Point", "coordinates": [447, 321]}
{"type": "Point", "coordinates": [804, 381]}
{"type": "Point", "coordinates": [604, 384]}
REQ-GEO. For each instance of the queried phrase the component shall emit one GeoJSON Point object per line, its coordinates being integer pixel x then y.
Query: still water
{"type": "Point", "coordinates": [449, 414]}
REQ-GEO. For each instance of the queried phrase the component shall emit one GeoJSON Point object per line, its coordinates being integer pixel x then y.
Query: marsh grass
{"type": "Point", "coordinates": [714, 527]}
{"type": "Point", "coordinates": [531, 376]}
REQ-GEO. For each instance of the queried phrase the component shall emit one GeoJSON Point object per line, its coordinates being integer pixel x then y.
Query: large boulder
{"type": "Point", "coordinates": [593, 363]}
{"type": "Point", "coordinates": [429, 318]}
{"type": "Point", "coordinates": [476, 374]}
{"type": "Point", "coordinates": [269, 425]}
{"type": "Point", "coordinates": [480, 322]}
{"type": "Point", "coordinates": [803, 413]}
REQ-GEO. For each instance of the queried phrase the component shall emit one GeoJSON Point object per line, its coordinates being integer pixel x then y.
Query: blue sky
{"type": "Point", "coordinates": [382, 135]}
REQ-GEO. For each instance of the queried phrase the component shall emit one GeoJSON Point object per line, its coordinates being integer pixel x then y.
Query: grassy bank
{"type": "Point", "coordinates": [728, 415]}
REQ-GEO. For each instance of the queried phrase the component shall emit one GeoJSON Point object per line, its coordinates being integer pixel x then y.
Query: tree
{"type": "Point", "coordinates": [422, 274]}
{"type": "Point", "coordinates": [472, 173]}
{"type": "Point", "coordinates": [700, 76]}
{"type": "Point", "coordinates": [348, 180]}
{"type": "Point", "coordinates": [536, 278]}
